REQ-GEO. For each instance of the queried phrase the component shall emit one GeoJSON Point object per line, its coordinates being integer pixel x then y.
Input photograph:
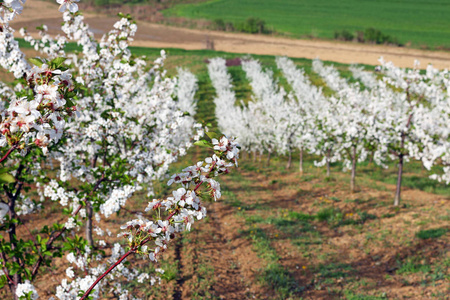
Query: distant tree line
{"type": "Point", "coordinates": [251, 25]}
{"type": "Point", "coordinates": [370, 35]}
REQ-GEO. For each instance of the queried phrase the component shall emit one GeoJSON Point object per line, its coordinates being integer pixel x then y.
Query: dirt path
{"type": "Point", "coordinates": [155, 35]}
{"type": "Point", "coordinates": [208, 263]}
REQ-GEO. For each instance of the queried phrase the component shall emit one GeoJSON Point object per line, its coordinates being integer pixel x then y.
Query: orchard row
{"type": "Point", "coordinates": [390, 114]}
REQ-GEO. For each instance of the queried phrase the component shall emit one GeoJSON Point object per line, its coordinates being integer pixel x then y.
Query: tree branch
{"type": "Point", "coordinates": [9, 152]}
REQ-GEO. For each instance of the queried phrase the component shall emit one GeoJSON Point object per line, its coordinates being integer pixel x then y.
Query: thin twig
{"type": "Point", "coordinates": [9, 152]}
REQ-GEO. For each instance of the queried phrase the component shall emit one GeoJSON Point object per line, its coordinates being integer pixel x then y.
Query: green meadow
{"type": "Point", "coordinates": [423, 23]}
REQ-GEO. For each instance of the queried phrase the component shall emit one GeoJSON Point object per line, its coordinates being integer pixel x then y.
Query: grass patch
{"type": "Point", "coordinates": [431, 233]}
{"type": "Point", "coordinates": [272, 274]}
{"type": "Point", "coordinates": [335, 217]}
{"type": "Point", "coordinates": [335, 270]}
{"type": "Point", "coordinates": [354, 296]}
{"type": "Point", "coordinates": [280, 280]}
{"type": "Point", "coordinates": [412, 265]}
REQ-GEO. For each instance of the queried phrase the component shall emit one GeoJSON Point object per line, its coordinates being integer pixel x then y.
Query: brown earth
{"type": "Point", "coordinates": [371, 250]}
{"type": "Point", "coordinates": [368, 254]}
{"type": "Point", "coordinates": [219, 258]}
{"type": "Point", "coordinates": [38, 12]}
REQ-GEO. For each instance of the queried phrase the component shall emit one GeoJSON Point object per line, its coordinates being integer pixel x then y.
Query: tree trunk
{"type": "Point", "coordinates": [12, 197]}
{"type": "Point", "coordinates": [399, 180]}
{"type": "Point", "coordinates": [254, 156]}
{"type": "Point", "coordinates": [89, 214]}
{"type": "Point", "coordinates": [260, 157]}
{"type": "Point", "coordinates": [288, 166]}
{"type": "Point", "coordinates": [16, 278]}
{"type": "Point", "coordinates": [400, 160]}
{"type": "Point", "coordinates": [268, 159]}
{"type": "Point", "coordinates": [352, 182]}
{"type": "Point", "coordinates": [300, 167]}
{"type": "Point", "coordinates": [328, 162]}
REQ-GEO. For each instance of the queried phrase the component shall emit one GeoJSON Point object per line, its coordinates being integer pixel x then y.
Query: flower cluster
{"type": "Point", "coordinates": [41, 118]}
{"type": "Point", "coordinates": [185, 205]}
{"type": "Point", "coordinates": [151, 234]}
{"type": "Point", "coordinates": [9, 9]}
{"type": "Point", "coordinates": [27, 291]}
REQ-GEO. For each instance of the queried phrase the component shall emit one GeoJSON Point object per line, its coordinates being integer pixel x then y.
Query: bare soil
{"type": "Point", "coordinates": [373, 250]}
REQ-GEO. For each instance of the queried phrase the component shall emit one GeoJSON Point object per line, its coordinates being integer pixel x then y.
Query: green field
{"type": "Point", "coordinates": [421, 22]}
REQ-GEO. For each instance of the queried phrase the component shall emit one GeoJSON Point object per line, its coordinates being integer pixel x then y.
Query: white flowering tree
{"type": "Point", "coordinates": [228, 113]}
{"type": "Point", "coordinates": [403, 115]}
{"type": "Point", "coordinates": [352, 117]}
{"type": "Point", "coordinates": [304, 110]}
{"type": "Point", "coordinates": [411, 113]}
{"type": "Point", "coordinates": [270, 109]}
{"type": "Point", "coordinates": [113, 128]}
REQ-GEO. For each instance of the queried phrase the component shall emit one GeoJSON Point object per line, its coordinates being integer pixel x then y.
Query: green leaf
{"type": "Point", "coordinates": [28, 272]}
{"type": "Point", "coordinates": [3, 281]}
{"type": "Point", "coordinates": [213, 135]}
{"type": "Point", "coordinates": [69, 103]}
{"type": "Point", "coordinates": [203, 143]}
{"type": "Point", "coordinates": [57, 62]}
{"type": "Point", "coordinates": [7, 178]}
{"type": "Point", "coordinates": [36, 61]}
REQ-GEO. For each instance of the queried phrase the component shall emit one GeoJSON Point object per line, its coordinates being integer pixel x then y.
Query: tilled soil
{"type": "Point", "coordinates": [372, 260]}
{"type": "Point", "coordinates": [211, 245]}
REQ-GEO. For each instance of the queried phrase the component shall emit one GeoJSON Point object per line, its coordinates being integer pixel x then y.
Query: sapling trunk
{"type": "Point", "coordinates": [300, 167]}
{"type": "Point", "coordinates": [328, 162]}
{"type": "Point", "coordinates": [89, 214]}
{"type": "Point", "coordinates": [12, 238]}
{"type": "Point", "coordinates": [268, 159]}
{"type": "Point", "coordinates": [401, 156]}
{"type": "Point", "coordinates": [12, 197]}
{"type": "Point", "coordinates": [254, 156]}
{"type": "Point", "coordinates": [352, 181]}
{"type": "Point", "coordinates": [288, 166]}
{"type": "Point", "coordinates": [399, 181]}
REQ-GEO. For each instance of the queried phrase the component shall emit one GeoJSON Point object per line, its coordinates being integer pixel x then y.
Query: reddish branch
{"type": "Point", "coordinates": [134, 249]}
{"type": "Point", "coordinates": [9, 152]}
{"type": "Point", "coordinates": [49, 245]}
{"type": "Point", "coordinates": [5, 270]}
{"type": "Point", "coordinates": [55, 237]}
{"type": "Point", "coordinates": [107, 272]}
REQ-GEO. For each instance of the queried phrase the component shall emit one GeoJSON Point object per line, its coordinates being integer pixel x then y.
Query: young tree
{"type": "Point", "coordinates": [109, 128]}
